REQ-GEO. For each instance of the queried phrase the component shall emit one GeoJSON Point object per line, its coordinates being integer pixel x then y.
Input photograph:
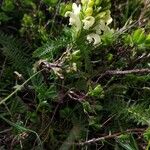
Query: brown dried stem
{"type": "Point", "coordinates": [94, 140]}
{"type": "Point", "coordinates": [123, 72]}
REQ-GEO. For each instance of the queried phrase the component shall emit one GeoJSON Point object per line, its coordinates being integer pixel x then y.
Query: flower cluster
{"type": "Point", "coordinates": [88, 16]}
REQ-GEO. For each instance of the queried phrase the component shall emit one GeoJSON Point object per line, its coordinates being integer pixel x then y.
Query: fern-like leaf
{"type": "Point", "coordinates": [54, 46]}
{"type": "Point", "coordinates": [15, 51]}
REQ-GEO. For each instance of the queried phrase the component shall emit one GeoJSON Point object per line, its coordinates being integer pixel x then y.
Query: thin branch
{"type": "Point", "coordinates": [94, 140]}
{"type": "Point", "coordinates": [119, 72]}
{"type": "Point", "coordinates": [110, 118]}
{"type": "Point", "coordinates": [143, 11]}
{"type": "Point", "coordinates": [18, 88]}
{"type": "Point", "coordinates": [123, 72]}
{"type": "Point", "coordinates": [76, 96]}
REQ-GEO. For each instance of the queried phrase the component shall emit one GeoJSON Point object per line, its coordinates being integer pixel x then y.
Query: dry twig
{"type": "Point", "coordinates": [94, 140]}
{"type": "Point", "coordinates": [124, 72]}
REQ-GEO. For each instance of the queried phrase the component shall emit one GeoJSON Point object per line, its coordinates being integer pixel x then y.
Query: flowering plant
{"type": "Point", "coordinates": [90, 18]}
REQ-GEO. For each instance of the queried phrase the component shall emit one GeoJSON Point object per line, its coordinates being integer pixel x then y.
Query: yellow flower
{"type": "Point", "coordinates": [76, 9]}
{"type": "Point", "coordinates": [88, 22]}
{"type": "Point", "coordinates": [74, 16]}
{"type": "Point", "coordinates": [95, 38]}
{"type": "Point", "coordinates": [108, 18]}
{"type": "Point", "coordinates": [101, 26]}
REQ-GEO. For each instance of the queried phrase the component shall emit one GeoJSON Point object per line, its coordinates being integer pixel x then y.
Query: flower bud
{"type": "Point", "coordinates": [89, 11]}
{"type": "Point", "coordinates": [83, 2]}
{"type": "Point", "coordinates": [90, 3]}
{"type": "Point", "coordinates": [97, 2]}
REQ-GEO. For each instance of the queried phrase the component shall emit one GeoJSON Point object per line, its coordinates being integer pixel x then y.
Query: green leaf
{"type": "Point", "coordinates": [4, 17]}
{"type": "Point", "coordinates": [139, 36]}
{"type": "Point", "coordinates": [65, 113]}
{"type": "Point", "coordinates": [127, 142]}
{"type": "Point", "coordinates": [64, 8]}
{"type": "Point", "coordinates": [147, 41]}
{"type": "Point", "coordinates": [8, 5]}
{"type": "Point", "coordinates": [128, 40]}
{"type": "Point", "coordinates": [96, 92]}
{"type": "Point", "coordinates": [108, 38]}
{"type": "Point", "coordinates": [147, 134]}
{"type": "Point", "coordinates": [94, 122]}
{"type": "Point", "coordinates": [50, 2]}
{"type": "Point", "coordinates": [86, 106]}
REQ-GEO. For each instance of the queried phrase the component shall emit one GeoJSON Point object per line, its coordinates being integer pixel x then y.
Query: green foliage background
{"type": "Point", "coordinates": [57, 92]}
